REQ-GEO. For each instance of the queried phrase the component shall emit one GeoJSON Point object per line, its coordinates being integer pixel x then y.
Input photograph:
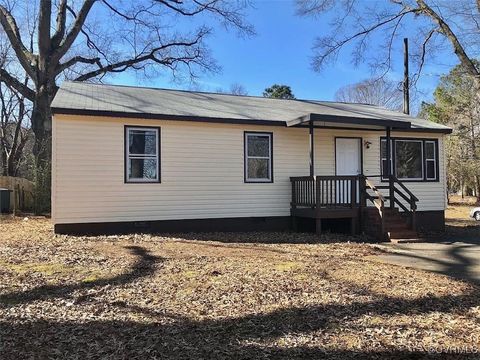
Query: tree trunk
{"type": "Point", "coordinates": [42, 148]}
{"type": "Point", "coordinates": [4, 161]}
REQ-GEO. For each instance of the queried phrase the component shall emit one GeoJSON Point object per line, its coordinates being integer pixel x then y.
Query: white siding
{"type": "Point", "coordinates": [202, 171]}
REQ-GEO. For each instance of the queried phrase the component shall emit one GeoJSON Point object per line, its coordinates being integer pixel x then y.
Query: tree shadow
{"type": "Point", "coordinates": [454, 263]}
{"type": "Point", "coordinates": [143, 266]}
{"type": "Point", "coordinates": [157, 334]}
{"type": "Point", "coordinates": [253, 336]}
{"type": "Point", "coordinates": [267, 237]}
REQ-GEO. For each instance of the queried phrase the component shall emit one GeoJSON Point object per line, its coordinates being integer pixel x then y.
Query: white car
{"type": "Point", "coordinates": [475, 213]}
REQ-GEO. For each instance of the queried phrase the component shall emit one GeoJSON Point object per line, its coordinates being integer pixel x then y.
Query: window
{"type": "Point", "coordinates": [430, 160]}
{"type": "Point", "coordinates": [412, 159]}
{"type": "Point", "coordinates": [258, 157]}
{"type": "Point", "coordinates": [383, 152]}
{"type": "Point", "coordinates": [142, 148]}
{"type": "Point", "coordinates": [408, 159]}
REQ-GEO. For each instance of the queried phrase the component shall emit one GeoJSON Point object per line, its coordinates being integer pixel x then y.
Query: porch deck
{"type": "Point", "coordinates": [344, 197]}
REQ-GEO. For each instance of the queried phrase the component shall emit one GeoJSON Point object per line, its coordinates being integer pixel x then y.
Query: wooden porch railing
{"type": "Point", "coordinates": [396, 192]}
{"type": "Point", "coordinates": [351, 192]}
{"type": "Point", "coordinates": [325, 191]}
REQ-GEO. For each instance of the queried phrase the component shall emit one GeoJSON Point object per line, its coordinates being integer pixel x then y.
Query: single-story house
{"type": "Point", "coordinates": [145, 159]}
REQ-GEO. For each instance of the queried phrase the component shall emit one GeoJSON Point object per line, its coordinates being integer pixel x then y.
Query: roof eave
{"type": "Point", "coordinates": [152, 116]}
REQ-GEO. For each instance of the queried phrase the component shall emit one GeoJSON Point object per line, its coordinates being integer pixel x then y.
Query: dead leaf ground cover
{"type": "Point", "coordinates": [221, 296]}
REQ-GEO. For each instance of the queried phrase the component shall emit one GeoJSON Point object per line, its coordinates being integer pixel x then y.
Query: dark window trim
{"type": "Point", "coordinates": [361, 150]}
{"type": "Point", "coordinates": [159, 155]}
{"type": "Point", "coordinates": [245, 180]}
{"type": "Point", "coordinates": [424, 162]}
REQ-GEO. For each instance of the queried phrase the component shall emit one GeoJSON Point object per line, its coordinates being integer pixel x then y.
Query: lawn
{"type": "Point", "coordinates": [221, 296]}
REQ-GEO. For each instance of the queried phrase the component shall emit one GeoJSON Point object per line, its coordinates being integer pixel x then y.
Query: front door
{"type": "Point", "coordinates": [348, 161]}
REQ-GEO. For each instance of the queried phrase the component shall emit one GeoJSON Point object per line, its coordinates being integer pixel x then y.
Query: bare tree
{"type": "Point", "coordinates": [14, 133]}
{"type": "Point", "coordinates": [238, 89]}
{"type": "Point", "coordinates": [379, 92]}
{"type": "Point", "coordinates": [235, 89]}
{"type": "Point", "coordinates": [434, 26]}
{"type": "Point", "coordinates": [92, 38]}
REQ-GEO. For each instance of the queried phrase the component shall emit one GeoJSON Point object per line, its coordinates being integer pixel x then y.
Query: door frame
{"type": "Point", "coordinates": [361, 151]}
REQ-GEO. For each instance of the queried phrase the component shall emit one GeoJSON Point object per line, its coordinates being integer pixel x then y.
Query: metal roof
{"type": "Point", "coordinates": [142, 102]}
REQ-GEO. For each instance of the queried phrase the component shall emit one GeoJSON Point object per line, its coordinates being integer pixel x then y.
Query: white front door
{"type": "Point", "coordinates": [348, 161]}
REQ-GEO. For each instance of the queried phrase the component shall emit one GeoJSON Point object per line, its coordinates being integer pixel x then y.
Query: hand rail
{"type": "Point", "coordinates": [395, 180]}
{"type": "Point", "coordinates": [380, 206]}
{"type": "Point", "coordinates": [380, 197]}
{"type": "Point", "coordinates": [406, 195]}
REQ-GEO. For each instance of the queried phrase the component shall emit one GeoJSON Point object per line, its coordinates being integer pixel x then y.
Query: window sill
{"type": "Point", "coordinates": [258, 181]}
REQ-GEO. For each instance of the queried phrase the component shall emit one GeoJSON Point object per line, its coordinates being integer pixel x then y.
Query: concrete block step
{"type": "Point", "coordinates": [402, 234]}
{"type": "Point", "coordinates": [404, 241]}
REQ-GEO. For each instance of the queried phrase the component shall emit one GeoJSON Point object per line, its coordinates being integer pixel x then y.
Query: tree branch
{"type": "Point", "coordinates": [44, 23]}
{"type": "Point", "coordinates": [12, 82]}
{"type": "Point", "coordinates": [151, 56]}
{"type": "Point", "coordinates": [25, 57]}
{"type": "Point", "coordinates": [75, 60]}
{"type": "Point", "coordinates": [429, 36]}
{"type": "Point", "coordinates": [332, 49]}
{"type": "Point", "coordinates": [448, 32]}
{"type": "Point", "coordinates": [61, 24]}
{"type": "Point", "coordinates": [73, 33]}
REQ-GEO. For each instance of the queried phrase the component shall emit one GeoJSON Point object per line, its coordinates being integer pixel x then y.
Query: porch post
{"type": "Point", "coordinates": [312, 150]}
{"type": "Point", "coordinates": [389, 170]}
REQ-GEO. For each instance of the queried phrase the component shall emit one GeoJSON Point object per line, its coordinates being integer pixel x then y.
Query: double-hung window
{"type": "Point", "coordinates": [258, 157]}
{"type": "Point", "coordinates": [431, 160]}
{"type": "Point", "coordinates": [412, 159]}
{"type": "Point", "coordinates": [142, 154]}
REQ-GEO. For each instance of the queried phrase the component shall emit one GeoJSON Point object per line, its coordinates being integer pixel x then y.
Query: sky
{"type": "Point", "coordinates": [281, 53]}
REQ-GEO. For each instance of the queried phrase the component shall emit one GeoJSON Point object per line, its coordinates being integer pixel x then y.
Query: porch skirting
{"type": "Point", "coordinates": [426, 221]}
{"type": "Point", "coordinates": [238, 224]}
{"type": "Point", "coordinates": [430, 221]}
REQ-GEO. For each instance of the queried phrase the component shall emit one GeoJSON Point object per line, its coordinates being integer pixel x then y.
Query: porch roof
{"type": "Point", "coordinates": [324, 120]}
{"type": "Point", "coordinates": [164, 104]}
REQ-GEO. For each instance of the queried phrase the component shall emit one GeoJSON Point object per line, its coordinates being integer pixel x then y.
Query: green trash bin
{"type": "Point", "coordinates": [4, 201]}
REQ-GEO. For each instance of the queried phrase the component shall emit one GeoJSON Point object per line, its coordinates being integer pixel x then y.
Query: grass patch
{"type": "Point", "coordinates": [47, 269]}
{"type": "Point", "coordinates": [287, 266]}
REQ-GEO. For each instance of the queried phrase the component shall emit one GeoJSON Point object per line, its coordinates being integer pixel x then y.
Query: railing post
{"type": "Point", "coordinates": [391, 191]}
{"type": "Point", "coordinates": [363, 190]}
{"type": "Point", "coordinates": [353, 192]}
{"type": "Point", "coordinates": [318, 193]}
{"type": "Point", "coordinates": [413, 207]}
{"type": "Point", "coordinates": [382, 219]}
{"type": "Point", "coordinates": [389, 168]}
{"type": "Point", "coordinates": [294, 195]}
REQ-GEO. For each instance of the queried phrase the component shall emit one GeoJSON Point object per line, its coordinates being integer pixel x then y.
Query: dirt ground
{"type": "Point", "coordinates": [222, 296]}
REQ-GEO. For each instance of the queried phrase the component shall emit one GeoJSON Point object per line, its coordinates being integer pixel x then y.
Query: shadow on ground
{"type": "Point", "coordinates": [252, 336]}
{"type": "Point", "coordinates": [144, 266]}
{"type": "Point", "coordinates": [455, 253]}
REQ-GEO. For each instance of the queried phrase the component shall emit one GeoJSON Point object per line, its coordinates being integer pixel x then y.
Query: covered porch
{"type": "Point", "coordinates": [348, 192]}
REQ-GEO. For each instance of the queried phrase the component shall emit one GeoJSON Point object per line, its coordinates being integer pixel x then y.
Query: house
{"type": "Point", "coordinates": [144, 159]}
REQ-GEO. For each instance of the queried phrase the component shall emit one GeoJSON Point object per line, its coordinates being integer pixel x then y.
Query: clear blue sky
{"type": "Point", "coordinates": [281, 53]}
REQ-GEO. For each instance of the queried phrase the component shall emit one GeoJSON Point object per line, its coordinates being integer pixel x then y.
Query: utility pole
{"type": "Point", "coordinates": [406, 82]}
